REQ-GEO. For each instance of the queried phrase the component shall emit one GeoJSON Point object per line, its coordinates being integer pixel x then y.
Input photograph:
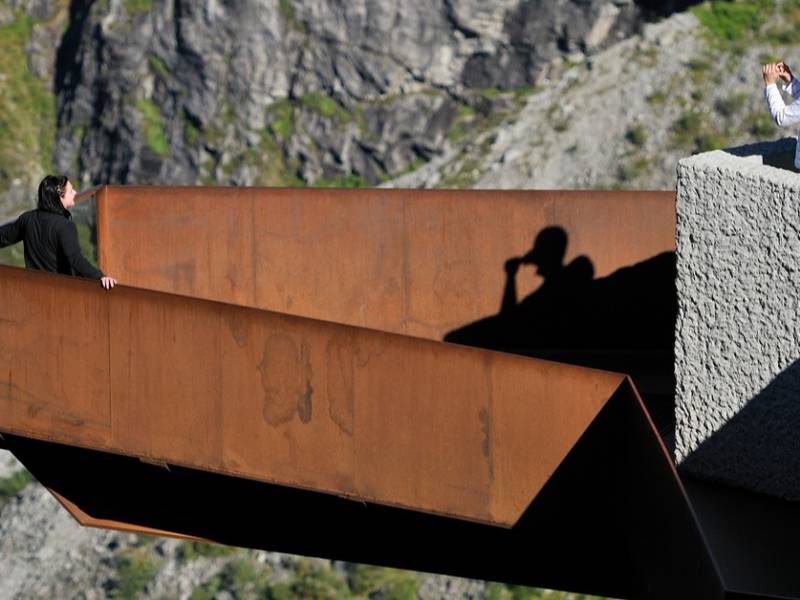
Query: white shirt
{"type": "Point", "coordinates": [784, 115]}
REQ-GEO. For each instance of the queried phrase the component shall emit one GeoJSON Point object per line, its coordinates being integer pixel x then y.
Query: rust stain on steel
{"type": "Point", "coordinates": [237, 328]}
{"type": "Point", "coordinates": [341, 355]}
{"type": "Point", "coordinates": [183, 391]}
{"type": "Point", "coordinates": [418, 262]}
{"type": "Point", "coordinates": [286, 378]}
{"type": "Point", "coordinates": [486, 444]}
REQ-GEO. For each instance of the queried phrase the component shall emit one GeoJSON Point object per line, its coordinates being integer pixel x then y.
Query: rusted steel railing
{"type": "Point", "coordinates": [418, 262]}
{"type": "Point", "coordinates": [376, 416]}
{"type": "Point", "coordinates": [466, 441]}
{"type": "Point", "coordinates": [267, 348]}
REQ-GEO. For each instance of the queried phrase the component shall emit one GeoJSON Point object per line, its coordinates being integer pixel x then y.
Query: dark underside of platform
{"type": "Point", "coordinates": [599, 526]}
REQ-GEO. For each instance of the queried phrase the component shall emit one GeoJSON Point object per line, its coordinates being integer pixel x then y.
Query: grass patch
{"type": "Point", "coordinates": [692, 132]}
{"type": "Point", "coordinates": [730, 23]}
{"type": "Point", "coordinates": [189, 551]}
{"type": "Point", "coordinates": [240, 576]}
{"type": "Point", "coordinates": [13, 485]}
{"type": "Point", "coordinates": [501, 591]}
{"type": "Point", "coordinates": [462, 125]}
{"type": "Point", "coordinates": [388, 584]}
{"type": "Point", "coordinates": [711, 141]}
{"type": "Point", "coordinates": [414, 165]}
{"type": "Point", "coordinates": [760, 125]}
{"type": "Point", "coordinates": [282, 119]}
{"type": "Point", "coordinates": [491, 93]}
{"type": "Point", "coordinates": [731, 105]}
{"type": "Point", "coordinates": [158, 66]}
{"type": "Point", "coordinates": [190, 133]}
{"type": "Point", "coordinates": [648, 57]}
{"type": "Point", "coordinates": [687, 127]}
{"type": "Point", "coordinates": [154, 135]}
{"type": "Point", "coordinates": [310, 583]}
{"type": "Point", "coordinates": [557, 121]}
{"type": "Point", "coordinates": [464, 178]}
{"type": "Point", "coordinates": [135, 571]}
{"type": "Point", "coordinates": [657, 98]}
{"type": "Point", "coordinates": [268, 161]}
{"type": "Point", "coordinates": [13, 256]}
{"type": "Point", "coordinates": [135, 8]}
{"type": "Point", "coordinates": [326, 106]}
{"type": "Point", "coordinates": [630, 171]}
{"type": "Point", "coordinates": [699, 68]}
{"type": "Point", "coordinates": [286, 9]}
{"type": "Point", "coordinates": [784, 33]}
{"type": "Point", "coordinates": [636, 135]}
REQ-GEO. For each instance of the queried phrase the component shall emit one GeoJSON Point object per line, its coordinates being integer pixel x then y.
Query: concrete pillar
{"type": "Point", "coordinates": [738, 329]}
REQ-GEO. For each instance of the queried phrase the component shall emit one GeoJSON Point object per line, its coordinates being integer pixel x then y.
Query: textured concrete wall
{"type": "Point", "coordinates": [738, 329]}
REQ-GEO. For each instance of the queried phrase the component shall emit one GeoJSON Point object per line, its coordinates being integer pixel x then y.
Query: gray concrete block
{"type": "Point", "coordinates": [737, 345]}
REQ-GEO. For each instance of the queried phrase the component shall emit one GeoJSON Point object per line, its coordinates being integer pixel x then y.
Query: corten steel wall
{"type": "Point", "coordinates": [418, 262]}
{"type": "Point", "coordinates": [397, 420]}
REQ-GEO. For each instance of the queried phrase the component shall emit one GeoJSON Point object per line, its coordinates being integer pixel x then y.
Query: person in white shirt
{"type": "Point", "coordinates": [784, 115]}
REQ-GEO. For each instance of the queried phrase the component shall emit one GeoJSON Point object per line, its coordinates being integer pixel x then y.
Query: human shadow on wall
{"type": "Point", "coordinates": [623, 322]}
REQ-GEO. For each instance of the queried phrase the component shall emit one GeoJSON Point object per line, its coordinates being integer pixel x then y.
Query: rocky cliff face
{"type": "Point", "coordinates": [30, 31]}
{"type": "Point", "coordinates": [282, 92]}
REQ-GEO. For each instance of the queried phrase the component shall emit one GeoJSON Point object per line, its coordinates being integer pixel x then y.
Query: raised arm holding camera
{"type": "Point", "coordinates": [783, 114]}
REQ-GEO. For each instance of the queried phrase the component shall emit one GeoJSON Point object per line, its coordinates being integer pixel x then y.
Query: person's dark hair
{"type": "Point", "coordinates": [51, 189]}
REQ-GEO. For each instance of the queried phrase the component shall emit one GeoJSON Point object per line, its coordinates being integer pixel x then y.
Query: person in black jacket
{"type": "Point", "coordinates": [49, 235]}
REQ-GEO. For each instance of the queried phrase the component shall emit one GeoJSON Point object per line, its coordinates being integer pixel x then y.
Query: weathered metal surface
{"type": "Point", "coordinates": [391, 419]}
{"type": "Point", "coordinates": [418, 262]}
{"type": "Point", "coordinates": [54, 355]}
{"type": "Point", "coordinates": [611, 520]}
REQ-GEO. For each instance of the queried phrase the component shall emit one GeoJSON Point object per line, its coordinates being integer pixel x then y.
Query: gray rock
{"type": "Point", "coordinates": [8, 464]}
{"type": "Point", "coordinates": [266, 92]}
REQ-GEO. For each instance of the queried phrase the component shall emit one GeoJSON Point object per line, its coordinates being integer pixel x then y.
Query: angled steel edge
{"type": "Point", "coordinates": [88, 521]}
{"type": "Point", "coordinates": [665, 535]}
{"type": "Point", "coordinates": [612, 520]}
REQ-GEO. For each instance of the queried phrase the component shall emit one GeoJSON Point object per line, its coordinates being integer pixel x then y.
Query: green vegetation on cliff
{"type": "Point", "coordinates": [12, 485]}
{"type": "Point", "coordinates": [27, 106]}
{"type": "Point", "coordinates": [729, 22]}
{"type": "Point", "coordinates": [154, 135]}
{"type": "Point", "coordinates": [135, 570]}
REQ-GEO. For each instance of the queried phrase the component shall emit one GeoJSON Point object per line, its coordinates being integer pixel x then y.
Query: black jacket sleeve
{"type": "Point", "coordinates": [10, 233]}
{"type": "Point", "coordinates": [68, 240]}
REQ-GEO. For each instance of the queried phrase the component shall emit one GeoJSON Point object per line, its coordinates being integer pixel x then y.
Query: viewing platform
{"type": "Point", "coordinates": [344, 373]}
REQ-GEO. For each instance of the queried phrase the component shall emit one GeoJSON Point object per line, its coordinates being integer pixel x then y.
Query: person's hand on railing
{"type": "Point", "coordinates": [108, 282]}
